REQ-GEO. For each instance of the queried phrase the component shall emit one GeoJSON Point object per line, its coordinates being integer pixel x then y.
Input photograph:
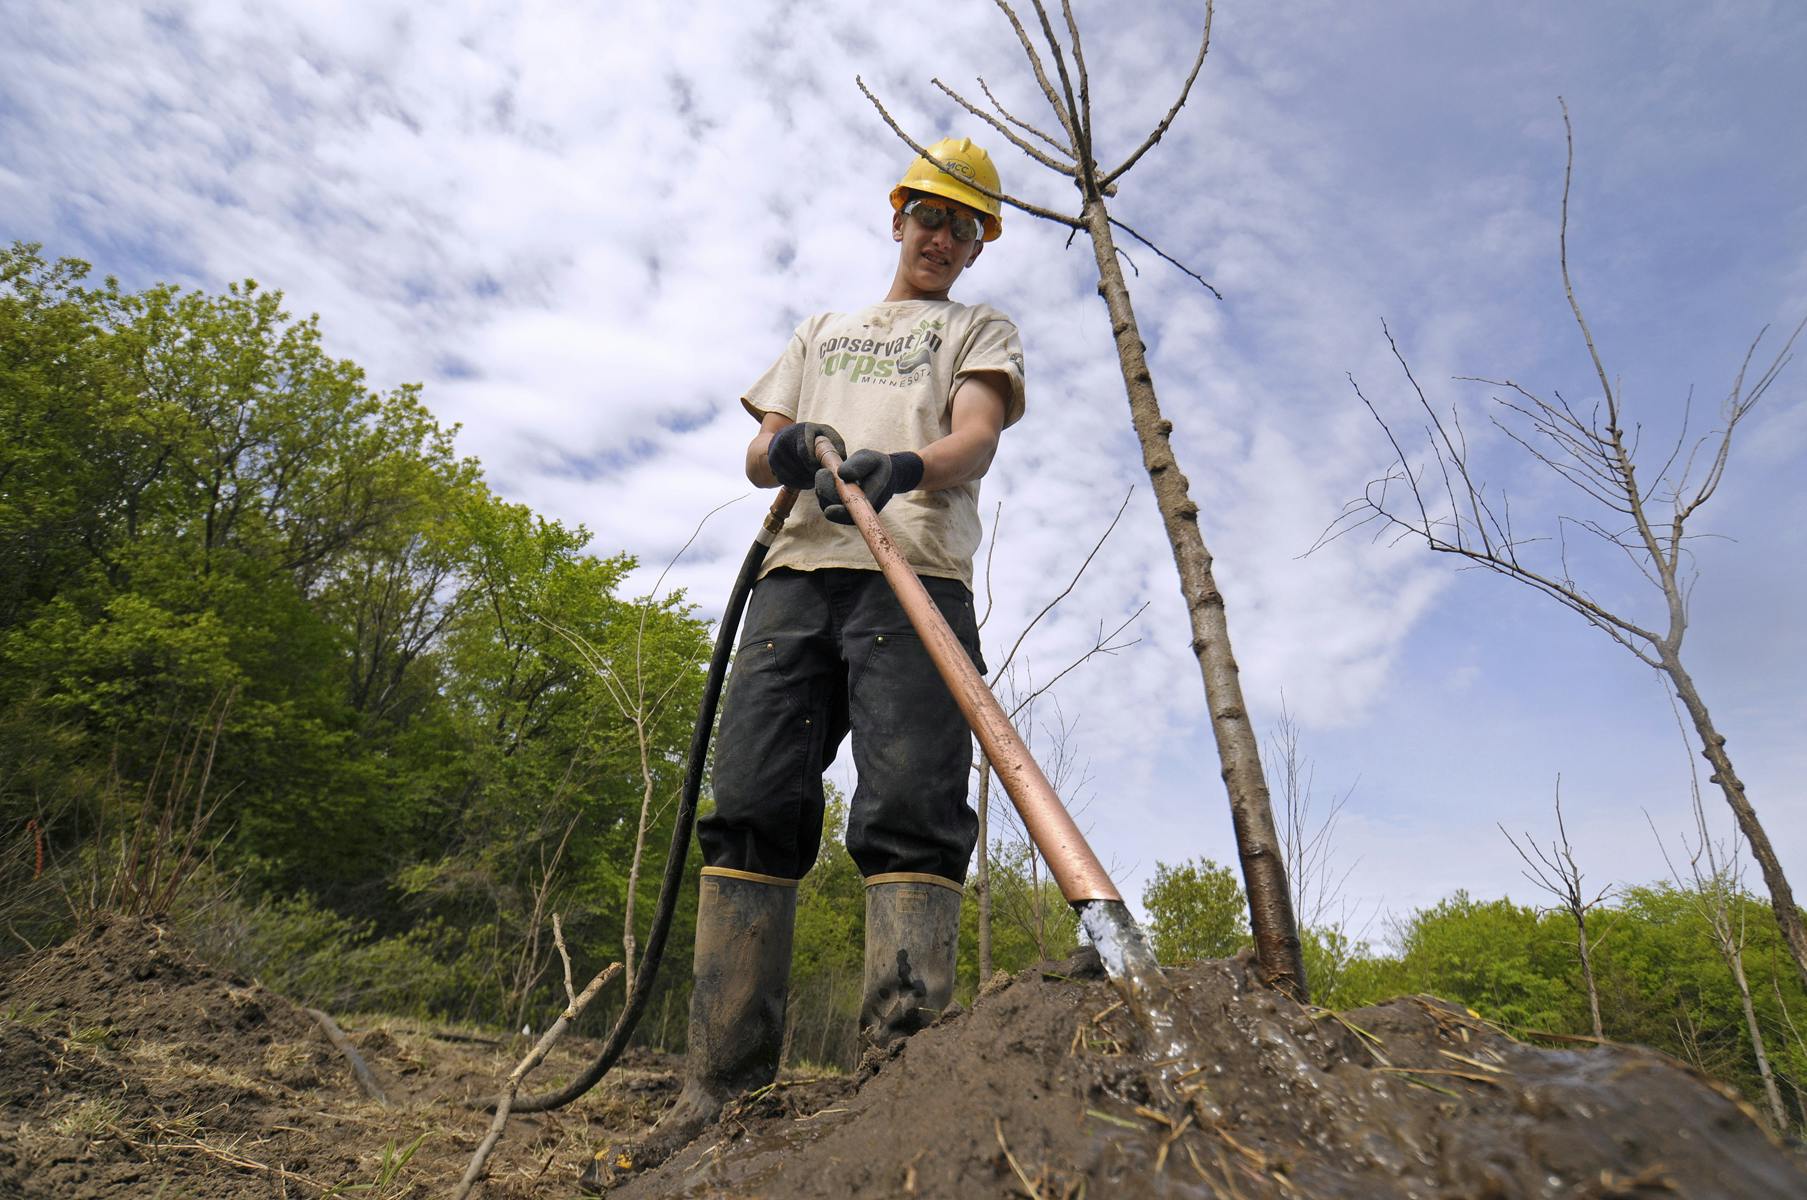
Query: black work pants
{"type": "Point", "coordinates": [824, 652]}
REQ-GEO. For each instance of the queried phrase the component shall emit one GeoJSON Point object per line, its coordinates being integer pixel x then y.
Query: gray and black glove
{"type": "Point", "coordinates": [792, 453]}
{"type": "Point", "coordinates": [880, 476]}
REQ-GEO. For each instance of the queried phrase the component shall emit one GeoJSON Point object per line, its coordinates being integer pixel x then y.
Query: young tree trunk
{"type": "Point", "coordinates": [1781, 896]}
{"type": "Point", "coordinates": [1037, 904]}
{"type": "Point", "coordinates": [1587, 972]}
{"type": "Point", "coordinates": [1735, 960]}
{"type": "Point", "coordinates": [1258, 845]}
{"type": "Point", "coordinates": [982, 884]}
{"type": "Point", "coordinates": [629, 945]}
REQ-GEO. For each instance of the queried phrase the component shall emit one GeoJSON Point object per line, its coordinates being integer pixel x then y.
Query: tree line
{"type": "Point", "coordinates": [267, 613]}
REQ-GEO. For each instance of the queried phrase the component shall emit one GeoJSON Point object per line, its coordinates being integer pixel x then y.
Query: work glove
{"type": "Point", "coordinates": [792, 453]}
{"type": "Point", "coordinates": [880, 476]}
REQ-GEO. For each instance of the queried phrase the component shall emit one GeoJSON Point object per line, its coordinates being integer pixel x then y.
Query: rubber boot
{"type": "Point", "coordinates": [912, 938]}
{"type": "Point", "coordinates": [741, 975]}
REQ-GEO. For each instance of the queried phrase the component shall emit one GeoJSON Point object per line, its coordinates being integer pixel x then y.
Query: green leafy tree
{"type": "Point", "coordinates": [1195, 910]}
{"type": "Point", "coordinates": [192, 472]}
{"type": "Point", "coordinates": [1667, 985]}
{"type": "Point", "coordinates": [1505, 960]}
{"type": "Point", "coordinates": [196, 500]}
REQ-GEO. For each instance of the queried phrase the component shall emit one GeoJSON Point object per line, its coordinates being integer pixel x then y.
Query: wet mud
{"type": "Point", "coordinates": [1044, 1089]}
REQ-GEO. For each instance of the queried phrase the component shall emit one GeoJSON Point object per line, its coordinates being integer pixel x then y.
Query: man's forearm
{"type": "Point", "coordinates": [759, 471]}
{"type": "Point", "coordinates": [960, 457]}
{"type": "Point", "coordinates": [759, 468]}
{"type": "Point", "coordinates": [979, 404]}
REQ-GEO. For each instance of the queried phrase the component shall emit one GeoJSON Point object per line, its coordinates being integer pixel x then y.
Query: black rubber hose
{"type": "Point", "coordinates": [680, 833]}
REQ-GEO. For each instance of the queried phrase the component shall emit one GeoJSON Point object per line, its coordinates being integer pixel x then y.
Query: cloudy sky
{"type": "Point", "coordinates": [586, 228]}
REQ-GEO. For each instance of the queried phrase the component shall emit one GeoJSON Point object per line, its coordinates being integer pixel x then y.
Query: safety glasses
{"type": "Point", "coordinates": [933, 216]}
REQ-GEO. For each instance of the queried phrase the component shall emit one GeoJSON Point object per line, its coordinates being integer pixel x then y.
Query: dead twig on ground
{"type": "Point", "coordinates": [1010, 1158]}
{"type": "Point", "coordinates": [214, 1152]}
{"type": "Point", "coordinates": [359, 1068]}
{"type": "Point", "coordinates": [504, 1102]}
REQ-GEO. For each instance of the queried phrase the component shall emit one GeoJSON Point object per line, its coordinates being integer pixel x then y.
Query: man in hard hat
{"type": "Point", "coordinates": [919, 387]}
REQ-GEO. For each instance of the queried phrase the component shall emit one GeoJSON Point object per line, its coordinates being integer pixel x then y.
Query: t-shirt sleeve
{"type": "Point", "coordinates": [995, 345]}
{"type": "Point", "coordinates": [779, 389]}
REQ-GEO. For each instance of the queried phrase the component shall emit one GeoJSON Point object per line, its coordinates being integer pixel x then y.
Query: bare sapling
{"type": "Point", "coordinates": [1558, 874]}
{"type": "Point", "coordinates": [640, 700]}
{"type": "Point", "coordinates": [1308, 839]}
{"type": "Point", "coordinates": [531, 958]}
{"type": "Point", "coordinates": [1030, 901]}
{"type": "Point", "coordinates": [1643, 520]}
{"type": "Point", "coordinates": [1070, 153]}
{"type": "Point", "coordinates": [510, 1087]}
{"type": "Point", "coordinates": [1715, 884]}
{"type": "Point", "coordinates": [1022, 698]}
{"type": "Point", "coordinates": [1795, 1039]}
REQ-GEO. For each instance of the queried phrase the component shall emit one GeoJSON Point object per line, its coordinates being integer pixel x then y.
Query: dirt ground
{"type": "Point", "coordinates": [128, 1068]}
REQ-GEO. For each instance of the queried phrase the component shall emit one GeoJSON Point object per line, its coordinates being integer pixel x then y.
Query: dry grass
{"type": "Point", "coordinates": [87, 1119]}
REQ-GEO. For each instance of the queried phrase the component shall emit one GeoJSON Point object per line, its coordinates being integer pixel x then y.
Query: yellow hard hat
{"type": "Point", "coordinates": [968, 165]}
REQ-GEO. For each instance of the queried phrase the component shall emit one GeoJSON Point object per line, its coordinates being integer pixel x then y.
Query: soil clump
{"type": "Point", "coordinates": [1040, 1091]}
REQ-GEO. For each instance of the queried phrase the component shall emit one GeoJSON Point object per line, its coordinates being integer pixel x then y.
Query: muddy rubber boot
{"type": "Point", "coordinates": [912, 938]}
{"type": "Point", "coordinates": [741, 974]}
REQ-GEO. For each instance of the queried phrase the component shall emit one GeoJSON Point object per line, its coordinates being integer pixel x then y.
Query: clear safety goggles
{"type": "Point", "coordinates": [933, 217]}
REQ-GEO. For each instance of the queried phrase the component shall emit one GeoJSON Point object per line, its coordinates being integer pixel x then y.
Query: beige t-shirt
{"type": "Point", "coordinates": [884, 377]}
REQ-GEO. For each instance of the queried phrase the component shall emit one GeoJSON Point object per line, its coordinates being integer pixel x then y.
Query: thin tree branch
{"type": "Point", "coordinates": [997, 519]}
{"type": "Point", "coordinates": [1447, 446]}
{"type": "Point", "coordinates": [1568, 286]}
{"type": "Point", "coordinates": [512, 1086]}
{"type": "Point", "coordinates": [1087, 160]}
{"type": "Point", "coordinates": [1041, 75]}
{"type": "Point", "coordinates": [1203, 282]}
{"type": "Point", "coordinates": [1102, 644]}
{"type": "Point", "coordinates": [1019, 123]}
{"type": "Point", "coordinates": [1026, 147]}
{"type": "Point", "coordinates": [1088, 181]}
{"type": "Point", "coordinates": [1066, 591]}
{"type": "Point", "coordinates": [1035, 210]}
{"type": "Point", "coordinates": [1160, 130]}
{"type": "Point", "coordinates": [1735, 410]}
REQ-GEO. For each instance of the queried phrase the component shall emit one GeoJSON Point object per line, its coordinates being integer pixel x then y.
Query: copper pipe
{"type": "Point", "coordinates": [1075, 868]}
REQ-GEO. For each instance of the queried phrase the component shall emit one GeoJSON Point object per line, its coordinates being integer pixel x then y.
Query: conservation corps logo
{"type": "Point", "coordinates": [893, 362]}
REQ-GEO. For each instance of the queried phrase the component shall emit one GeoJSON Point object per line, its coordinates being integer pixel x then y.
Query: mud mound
{"type": "Point", "coordinates": [121, 1040]}
{"type": "Point", "coordinates": [130, 979]}
{"type": "Point", "coordinates": [1040, 1091]}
